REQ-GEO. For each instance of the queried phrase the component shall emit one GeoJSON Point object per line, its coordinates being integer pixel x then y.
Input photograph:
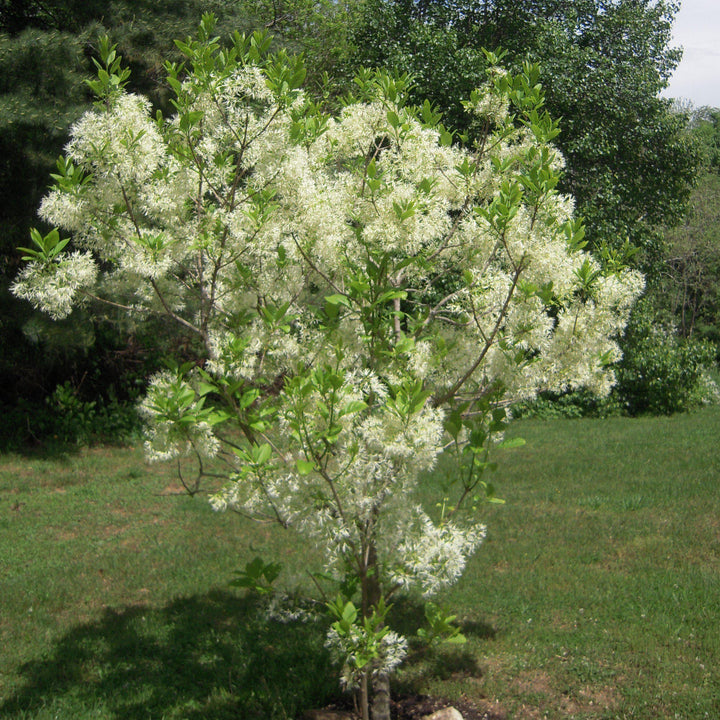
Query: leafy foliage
{"type": "Point", "coordinates": [629, 163]}
{"type": "Point", "coordinates": [661, 373]}
{"type": "Point", "coordinates": [689, 286]}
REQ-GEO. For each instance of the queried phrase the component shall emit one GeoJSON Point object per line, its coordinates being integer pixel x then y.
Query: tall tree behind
{"type": "Point", "coordinates": [689, 285]}
{"type": "Point", "coordinates": [42, 67]}
{"type": "Point", "coordinates": [630, 164]}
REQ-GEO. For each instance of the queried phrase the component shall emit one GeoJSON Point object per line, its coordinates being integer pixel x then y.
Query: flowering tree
{"type": "Point", "coordinates": [369, 294]}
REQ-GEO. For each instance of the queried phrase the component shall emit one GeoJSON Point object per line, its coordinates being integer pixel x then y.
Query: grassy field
{"type": "Point", "coordinates": [596, 594]}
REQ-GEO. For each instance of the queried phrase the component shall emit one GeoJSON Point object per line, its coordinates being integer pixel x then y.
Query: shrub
{"type": "Point", "coordinates": [661, 373]}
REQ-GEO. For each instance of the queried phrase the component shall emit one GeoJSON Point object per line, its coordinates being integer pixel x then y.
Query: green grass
{"type": "Point", "coordinates": [115, 600]}
{"type": "Point", "coordinates": [600, 579]}
{"type": "Point", "coordinates": [596, 594]}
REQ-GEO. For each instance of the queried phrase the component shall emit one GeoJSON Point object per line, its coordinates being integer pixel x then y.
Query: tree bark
{"type": "Point", "coordinates": [372, 593]}
{"type": "Point", "coordinates": [380, 696]}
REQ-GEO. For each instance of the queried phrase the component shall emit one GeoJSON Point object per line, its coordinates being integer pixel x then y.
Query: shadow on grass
{"type": "Point", "coordinates": [31, 449]}
{"type": "Point", "coordinates": [408, 614]}
{"type": "Point", "coordinates": [441, 662]}
{"type": "Point", "coordinates": [209, 657]}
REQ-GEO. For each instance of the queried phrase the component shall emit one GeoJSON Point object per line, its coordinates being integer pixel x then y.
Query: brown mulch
{"type": "Point", "coordinates": [416, 707]}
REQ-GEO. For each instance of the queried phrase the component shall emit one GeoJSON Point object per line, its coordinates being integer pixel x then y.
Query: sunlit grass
{"type": "Point", "coordinates": [115, 600]}
{"type": "Point", "coordinates": [601, 574]}
{"type": "Point", "coordinates": [596, 594]}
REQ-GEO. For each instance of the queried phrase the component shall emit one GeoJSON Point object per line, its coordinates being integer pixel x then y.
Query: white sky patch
{"type": "Point", "coordinates": [697, 31]}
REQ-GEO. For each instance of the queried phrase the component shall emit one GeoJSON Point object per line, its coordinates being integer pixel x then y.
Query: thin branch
{"type": "Point", "coordinates": [315, 268]}
{"type": "Point", "coordinates": [129, 308]}
{"type": "Point", "coordinates": [172, 314]}
{"type": "Point", "coordinates": [441, 399]}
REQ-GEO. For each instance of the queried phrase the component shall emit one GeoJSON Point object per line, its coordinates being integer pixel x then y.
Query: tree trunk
{"type": "Point", "coordinates": [364, 696]}
{"type": "Point", "coordinates": [371, 595]}
{"type": "Point", "coordinates": [381, 696]}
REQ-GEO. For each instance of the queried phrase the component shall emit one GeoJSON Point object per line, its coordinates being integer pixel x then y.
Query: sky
{"type": "Point", "coordinates": [697, 30]}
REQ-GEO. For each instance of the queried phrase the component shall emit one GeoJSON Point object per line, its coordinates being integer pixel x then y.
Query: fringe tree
{"type": "Point", "coordinates": [370, 294]}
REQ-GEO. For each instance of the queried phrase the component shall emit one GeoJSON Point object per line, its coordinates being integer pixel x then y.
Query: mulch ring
{"type": "Point", "coordinates": [416, 707]}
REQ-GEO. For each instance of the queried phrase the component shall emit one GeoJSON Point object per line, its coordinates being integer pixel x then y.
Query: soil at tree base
{"type": "Point", "coordinates": [416, 707]}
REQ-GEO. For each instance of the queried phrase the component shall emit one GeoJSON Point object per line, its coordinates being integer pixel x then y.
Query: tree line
{"type": "Point", "coordinates": [632, 158]}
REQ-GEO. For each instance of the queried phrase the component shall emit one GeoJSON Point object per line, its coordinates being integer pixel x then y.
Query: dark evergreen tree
{"type": "Point", "coordinates": [46, 50]}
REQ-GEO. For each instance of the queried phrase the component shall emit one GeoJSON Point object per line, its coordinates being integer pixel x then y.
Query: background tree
{"type": "Point", "coordinates": [690, 280]}
{"type": "Point", "coordinates": [630, 166]}
{"type": "Point", "coordinates": [367, 298]}
{"type": "Point", "coordinates": [688, 288]}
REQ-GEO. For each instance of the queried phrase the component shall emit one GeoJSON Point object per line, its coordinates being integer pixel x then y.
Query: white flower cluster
{"type": "Point", "coordinates": [432, 556]}
{"type": "Point", "coordinates": [286, 609]}
{"type": "Point", "coordinates": [53, 287]}
{"type": "Point", "coordinates": [174, 425]}
{"type": "Point", "coordinates": [234, 357]}
{"type": "Point", "coordinates": [344, 650]}
{"type": "Point", "coordinates": [123, 144]}
{"type": "Point", "coordinates": [492, 106]}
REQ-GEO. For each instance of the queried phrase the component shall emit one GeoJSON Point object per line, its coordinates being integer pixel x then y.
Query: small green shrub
{"type": "Point", "coordinates": [69, 418]}
{"type": "Point", "coordinates": [661, 373]}
{"type": "Point", "coordinates": [81, 421]}
{"type": "Point", "coordinates": [579, 403]}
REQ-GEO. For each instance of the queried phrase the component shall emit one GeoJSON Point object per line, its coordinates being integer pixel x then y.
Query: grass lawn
{"type": "Point", "coordinates": [596, 594]}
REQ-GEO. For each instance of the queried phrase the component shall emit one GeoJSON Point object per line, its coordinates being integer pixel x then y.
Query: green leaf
{"type": "Point", "coordinates": [258, 576]}
{"type": "Point", "coordinates": [262, 453]}
{"type": "Point", "coordinates": [445, 138]}
{"type": "Point", "coordinates": [349, 613]}
{"type": "Point", "coordinates": [337, 300]}
{"type": "Point", "coordinates": [392, 295]}
{"type": "Point", "coordinates": [59, 246]}
{"type": "Point", "coordinates": [511, 443]}
{"type": "Point", "coordinates": [248, 398]}
{"type": "Point", "coordinates": [405, 345]}
{"type": "Point", "coordinates": [217, 417]}
{"type": "Point", "coordinates": [453, 424]}
{"type": "Point", "coordinates": [304, 467]}
{"type": "Point", "coordinates": [190, 119]}
{"type": "Point", "coordinates": [354, 406]}
{"type": "Point", "coordinates": [31, 254]}
{"type": "Point", "coordinates": [205, 388]}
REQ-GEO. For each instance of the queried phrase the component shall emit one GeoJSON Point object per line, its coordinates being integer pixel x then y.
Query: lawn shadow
{"type": "Point", "coordinates": [478, 629]}
{"type": "Point", "coordinates": [208, 657]}
{"type": "Point", "coordinates": [408, 614]}
{"type": "Point", "coordinates": [443, 661]}
{"type": "Point", "coordinates": [43, 449]}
